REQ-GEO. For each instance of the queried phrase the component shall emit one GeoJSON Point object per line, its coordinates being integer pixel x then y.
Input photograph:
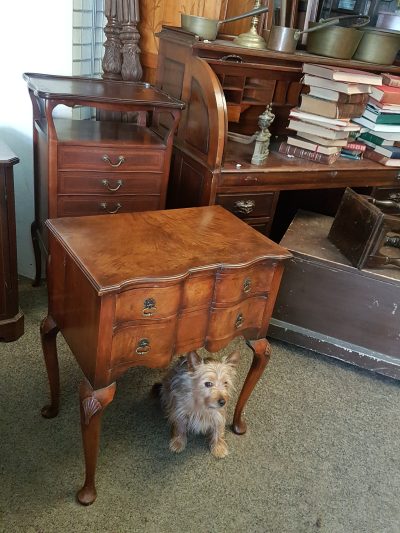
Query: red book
{"type": "Point", "coordinates": [385, 94]}
{"type": "Point", "coordinates": [302, 153]}
{"type": "Point", "coordinates": [355, 146]}
{"type": "Point", "coordinates": [379, 158]}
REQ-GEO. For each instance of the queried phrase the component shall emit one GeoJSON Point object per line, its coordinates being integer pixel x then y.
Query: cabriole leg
{"type": "Point", "coordinates": [48, 335]}
{"type": "Point", "coordinates": [92, 404]}
{"type": "Point", "coordinates": [261, 355]}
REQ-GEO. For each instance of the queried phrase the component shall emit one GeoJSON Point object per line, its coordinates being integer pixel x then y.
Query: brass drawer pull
{"type": "Point", "coordinates": [239, 321]}
{"type": "Point", "coordinates": [247, 285]}
{"type": "Point", "coordinates": [143, 347]}
{"type": "Point", "coordinates": [244, 206]}
{"type": "Point", "coordinates": [118, 206]}
{"type": "Point", "coordinates": [232, 57]}
{"type": "Point", "coordinates": [106, 184]}
{"type": "Point", "coordinates": [121, 159]}
{"type": "Point", "coordinates": [395, 196]}
{"type": "Point", "coordinates": [149, 307]}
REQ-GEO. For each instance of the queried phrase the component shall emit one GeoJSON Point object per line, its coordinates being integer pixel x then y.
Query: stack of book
{"type": "Point", "coordinates": [323, 124]}
{"type": "Point", "coordinates": [381, 123]}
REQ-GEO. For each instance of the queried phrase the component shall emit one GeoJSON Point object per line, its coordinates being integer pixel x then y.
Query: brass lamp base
{"type": "Point", "coordinates": [251, 39]}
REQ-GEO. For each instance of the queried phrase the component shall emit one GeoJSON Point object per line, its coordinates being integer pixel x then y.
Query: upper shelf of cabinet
{"type": "Point", "coordinates": [71, 90]}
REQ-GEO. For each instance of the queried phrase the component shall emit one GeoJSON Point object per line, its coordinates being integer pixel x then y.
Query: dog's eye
{"type": "Point", "coordinates": [208, 384]}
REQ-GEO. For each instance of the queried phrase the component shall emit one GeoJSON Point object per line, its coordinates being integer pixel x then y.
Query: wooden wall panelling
{"type": "Point", "coordinates": [156, 13]}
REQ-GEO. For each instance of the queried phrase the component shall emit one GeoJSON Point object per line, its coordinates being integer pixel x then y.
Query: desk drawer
{"type": "Point", "coordinates": [150, 345]}
{"type": "Point", "coordinates": [109, 183]}
{"type": "Point", "coordinates": [147, 303]}
{"type": "Point", "coordinates": [229, 322]}
{"type": "Point", "coordinates": [101, 205]}
{"type": "Point", "coordinates": [236, 285]}
{"type": "Point", "coordinates": [245, 205]}
{"type": "Point", "coordinates": [109, 159]}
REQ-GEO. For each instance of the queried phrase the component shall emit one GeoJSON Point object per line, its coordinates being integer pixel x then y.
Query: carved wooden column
{"type": "Point", "coordinates": [112, 59]}
{"type": "Point", "coordinates": [131, 68]}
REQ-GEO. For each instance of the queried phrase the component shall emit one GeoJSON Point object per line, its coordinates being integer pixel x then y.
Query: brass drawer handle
{"type": "Point", "coordinates": [232, 57]}
{"type": "Point", "coordinates": [106, 184]}
{"type": "Point", "coordinates": [149, 307]}
{"type": "Point", "coordinates": [118, 206]}
{"type": "Point", "coordinates": [395, 196]}
{"type": "Point", "coordinates": [239, 321]}
{"type": "Point", "coordinates": [247, 285]}
{"type": "Point", "coordinates": [393, 240]}
{"type": "Point", "coordinates": [244, 206]}
{"type": "Point", "coordinates": [121, 159]}
{"type": "Point", "coordinates": [143, 347]}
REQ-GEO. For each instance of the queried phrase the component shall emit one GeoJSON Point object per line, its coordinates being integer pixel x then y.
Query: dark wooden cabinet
{"type": "Point", "coordinates": [11, 318]}
{"type": "Point", "coordinates": [226, 88]}
{"type": "Point", "coordinates": [88, 167]}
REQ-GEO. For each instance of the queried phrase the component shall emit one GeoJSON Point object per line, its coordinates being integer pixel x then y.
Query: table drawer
{"type": "Point", "coordinates": [100, 205]}
{"type": "Point", "coordinates": [226, 323]}
{"type": "Point", "coordinates": [248, 204]}
{"type": "Point", "coordinates": [232, 286]}
{"type": "Point", "coordinates": [147, 303]}
{"type": "Point", "coordinates": [109, 182]}
{"type": "Point", "coordinates": [110, 159]}
{"type": "Point", "coordinates": [150, 345]}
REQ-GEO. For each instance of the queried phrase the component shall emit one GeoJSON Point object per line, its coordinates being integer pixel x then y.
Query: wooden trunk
{"type": "Point", "coordinates": [327, 305]}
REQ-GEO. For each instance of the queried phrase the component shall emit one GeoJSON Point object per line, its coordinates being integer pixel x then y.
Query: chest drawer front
{"type": "Point", "coordinates": [101, 205]}
{"type": "Point", "coordinates": [147, 303]}
{"type": "Point", "coordinates": [227, 323]}
{"type": "Point", "coordinates": [248, 204]}
{"type": "Point", "coordinates": [150, 345]}
{"type": "Point", "coordinates": [109, 183]}
{"type": "Point", "coordinates": [109, 159]}
{"type": "Point", "coordinates": [231, 286]}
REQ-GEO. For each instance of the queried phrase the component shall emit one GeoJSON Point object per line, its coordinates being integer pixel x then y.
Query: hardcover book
{"type": "Point", "coordinates": [340, 86]}
{"type": "Point", "coordinates": [382, 118]}
{"type": "Point", "coordinates": [302, 153]}
{"type": "Point", "coordinates": [330, 109]}
{"type": "Point", "coordinates": [322, 140]}
{"type": "Point", "coordinates": [379, 158]}
{"type": "Point", "coordinates": [336, 96]}
{"type": "Point", "coordinates": [387, 128]}
{"type": "Point", "coordinates": [386, 94]}
{"type": "Point", "coordinates": [342, 74]}
{"type": "Point", "coordinates": [390, 79]}
{"type": "Point", "coordinates": [375, 138]}
{"type": "Point", "coordinates": [313, 147]}
{"type": "Point", "coordinates": [321, 131]}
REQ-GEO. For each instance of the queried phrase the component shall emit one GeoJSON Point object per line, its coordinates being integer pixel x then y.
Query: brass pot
{"type": "Point", "coordinates": [378, 46]}
{"type": "Point", "coordinates": [337, 41]}
{"type": "Point", "coordinates": [207, 28]}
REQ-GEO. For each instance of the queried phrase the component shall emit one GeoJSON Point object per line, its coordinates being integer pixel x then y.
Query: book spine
{"type": "Point", "coordinates": [355, 146]}
{"type": "Point", "coordinates": [375, 156]}
{"type": "Point", "coordinates": [392, 81]}
{"type": "Point", "coordinates": [302, 153]}
{"type": "Point", "coordinates": [350, 110]}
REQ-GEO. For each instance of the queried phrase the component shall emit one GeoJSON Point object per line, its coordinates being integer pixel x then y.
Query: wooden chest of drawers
{"type": "Point", "coordinates": [188, 278]}
{"type": "Point", "coordinates": [88, 167]}
{"type": "Point", "coordinates": [11, 318]}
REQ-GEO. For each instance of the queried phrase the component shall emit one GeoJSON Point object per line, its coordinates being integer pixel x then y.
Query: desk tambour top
{"type": "Point", "coordinates": [71, 89]}
{"type": "Point", "coordinates": [160, 245]}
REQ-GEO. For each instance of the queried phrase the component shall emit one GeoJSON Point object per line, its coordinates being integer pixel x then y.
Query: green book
{"type": "Point", "coordinates": [382, 118]}
{"type": "Point", "coordinates": [368, 136]}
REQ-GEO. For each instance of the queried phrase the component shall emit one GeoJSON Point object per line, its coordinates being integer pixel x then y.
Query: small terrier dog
{"type": "Point", "coordinates": [194, 394]}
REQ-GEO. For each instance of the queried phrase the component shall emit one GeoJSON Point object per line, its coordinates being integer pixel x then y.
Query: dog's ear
{"type": "Point", "coordinates": [193, 360]}
{"type": "Point", "coordinates": [232, 359]}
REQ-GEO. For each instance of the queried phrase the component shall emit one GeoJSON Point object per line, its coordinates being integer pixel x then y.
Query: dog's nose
{"type": "Point", "coordinates": [221, 402]}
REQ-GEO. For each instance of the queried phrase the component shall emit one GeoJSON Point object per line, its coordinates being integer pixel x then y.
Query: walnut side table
{"type": "Point", "coordinates": [138, 288]}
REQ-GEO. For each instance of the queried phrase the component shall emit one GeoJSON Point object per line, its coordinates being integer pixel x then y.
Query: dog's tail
{"type": "Point", "coordinates": [156, 390]}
